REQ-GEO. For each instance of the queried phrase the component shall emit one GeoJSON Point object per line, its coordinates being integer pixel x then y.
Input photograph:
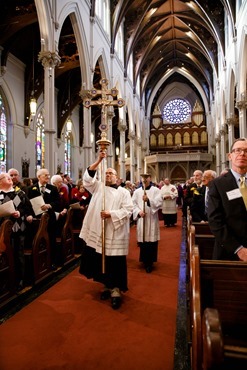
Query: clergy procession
{"type": "Point", "coordinates": [123, 184]}
{"type": "Point", "coordinates": [113, 207]}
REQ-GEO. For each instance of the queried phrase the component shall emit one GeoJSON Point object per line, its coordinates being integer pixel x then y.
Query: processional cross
{"type": "Point", "coordinates": [103, 143]}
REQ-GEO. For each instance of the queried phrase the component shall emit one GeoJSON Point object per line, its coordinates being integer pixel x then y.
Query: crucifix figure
{"type": "Point", "coordinates": [103, 101]}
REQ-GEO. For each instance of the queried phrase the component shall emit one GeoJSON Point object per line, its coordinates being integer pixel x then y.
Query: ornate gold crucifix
{"type": "Point", "coordinates": [103, 143]}
{"type": "Point", "coordinates": [104, 102]}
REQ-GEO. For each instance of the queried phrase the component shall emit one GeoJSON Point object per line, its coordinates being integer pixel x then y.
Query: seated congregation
{"type": "Point", "coordinates": [34, 244]}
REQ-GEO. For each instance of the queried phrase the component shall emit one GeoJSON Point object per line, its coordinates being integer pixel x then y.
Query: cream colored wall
{"type": "Point", "coordinates": [94, 43]}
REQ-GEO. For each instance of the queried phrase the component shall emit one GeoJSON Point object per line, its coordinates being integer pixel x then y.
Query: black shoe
{"type": "Point", "coordinates": [149, 269]}
{"type": "Point", "coordinates": [105, 294]}
{"type": "Point", "coordinates": [116, 302]}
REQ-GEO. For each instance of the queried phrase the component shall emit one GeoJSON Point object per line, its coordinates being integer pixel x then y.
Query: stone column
{"type": "Point", "coordinates": [110, 153]}
{"type": "Point", "coordinates": [217, 153]}
{"type": "Point", "coordinates": [223, 147]}
{"type": "Point", "coordinates": [230, 123]}
{"type": "Point", "coordinates": [88, 149]}
{"type": "Point", "coordinates": [132, 155]}
{"type": "Point", "coordinates": [49, 61]}
{"type": "Point", "coordinates": [138, 157]}
{"type": "Point", "coordinates": [122, 128]}
{"type": "Point", "coordinates": [242, 105]}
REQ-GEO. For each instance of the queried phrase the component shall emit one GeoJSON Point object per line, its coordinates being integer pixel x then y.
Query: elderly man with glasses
{"type": "Point", "coordinates": [227, 202]}
{"type": "Point", "coordinates": [21, 215]}
{"type": "Point", "coordinates": [51, 205]}
{"type": "Point", "coordinates": [113, 232]}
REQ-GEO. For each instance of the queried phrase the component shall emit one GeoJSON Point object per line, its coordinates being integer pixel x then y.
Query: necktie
{"type": "Point", "coordinates": [42, 189]}
{"type": "Point", "coordinates": [206, 201]}
{"type": "Point", "coordinates": [243, 189]}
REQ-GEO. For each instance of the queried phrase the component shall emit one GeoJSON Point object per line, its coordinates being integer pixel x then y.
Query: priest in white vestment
{"type": "Point", "coordinates": [169, 208]}
{"type": "Point", "coordinates": [147, 201]}
{"type": "Point", "coordinates": [117, 213]}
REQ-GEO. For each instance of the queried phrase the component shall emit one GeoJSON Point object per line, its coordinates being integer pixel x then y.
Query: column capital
{"type": "Point", "coordinates": [49, 59]}
{"type": "Point", "coordinates": [241, 104]}
{"type": "Point", "coordinates": [132, 135]}
{"type": "Point", "coordinates": [122, 125]}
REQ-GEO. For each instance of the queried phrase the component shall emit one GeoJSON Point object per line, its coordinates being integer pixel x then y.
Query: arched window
{"type": "Point", "coordinates": [3, 136]}
{"type": "Point", "coordinates": [40, 142]}
{"type": "Point", "coordinates": [120, 43]}
{"type": "Point", "coordinates": [169, 140]}
{"type": "Point", "coordinates": [67, 148]}
{"type": "Point", "coordinates": [195, 138]}
{"type": "Point", "coordinates": [204, 137]}
{"type": "Point", "coordinates": [161, 140]}
{"type": "Point", "coordinates": [178, 139]}
{"type": "Point", "coordinates": [186, 138]}
{"type": "Point", "coordinates": [153, 140]}
{"type": "Point", "coordinates": [102, 10]}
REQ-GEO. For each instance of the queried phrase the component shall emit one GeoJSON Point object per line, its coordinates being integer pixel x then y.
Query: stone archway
{"type": "Point", "coordinates": [178, 174]}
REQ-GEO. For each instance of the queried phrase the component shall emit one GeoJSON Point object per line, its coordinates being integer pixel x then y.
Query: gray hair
{"type": "Point", "coordinates": [55, 179]}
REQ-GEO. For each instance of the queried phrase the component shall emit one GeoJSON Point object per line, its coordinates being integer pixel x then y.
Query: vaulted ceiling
{"type": "Point", "coordinates": [159, 35]}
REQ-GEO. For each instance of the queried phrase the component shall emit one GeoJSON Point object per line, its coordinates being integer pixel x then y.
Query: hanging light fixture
{"type": "Point", "coordinates": [69, 125]}
{"type": "Point", "coordinates": [33, 102]}
{"type": "Point", "coordinates": [69, 121]}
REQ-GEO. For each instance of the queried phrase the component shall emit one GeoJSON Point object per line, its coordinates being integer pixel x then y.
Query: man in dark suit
{"type": "Point", "coordinates": [199, 207]}
{"type": "Point", "coordinates": [227, 213]}
{"type": "Point", "coordinates": [190, 189]}
{"type": "Point", "coordinates": [52, 205]}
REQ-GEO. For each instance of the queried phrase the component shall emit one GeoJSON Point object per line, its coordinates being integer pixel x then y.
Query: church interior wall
{"type": "Point", "coordinates": [94, 44]}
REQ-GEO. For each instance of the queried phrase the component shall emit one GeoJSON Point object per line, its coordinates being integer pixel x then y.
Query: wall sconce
{"type": "Point", "coordinates": [26, 131]}
{"type": "Point", "coordinates": [126, 155]}
{"type": "Point", "coordinates": [117, 151]}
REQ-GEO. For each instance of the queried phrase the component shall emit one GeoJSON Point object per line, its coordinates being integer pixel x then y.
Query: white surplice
{"type": "Point", "coordinates": [152, 230]}
{"type": "Point", "coordinates": [119, 203]}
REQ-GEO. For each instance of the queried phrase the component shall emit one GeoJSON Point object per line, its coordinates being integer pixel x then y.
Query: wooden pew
{"type": "Point", "coordinates": [221, 285]}
{"type": "Point", "coordinates": [66, 241]}
{"type": "Point", "coordinates": [217, 355]}
{"type": "Point", "coordinates": [77, 220]}
{"type": "Point", "coordinates": [204, 239]}
{"type": "Point", "coordinates": [202, 228]}
{"type": "Point", "coordinates": [37, 253]}
{"type": "Point", "coordinates": [7, 266]}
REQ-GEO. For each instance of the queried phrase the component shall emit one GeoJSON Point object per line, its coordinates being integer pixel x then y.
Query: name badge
{"type": "Point", "coordinates": [1, 196]}
{"type": "Point", "coordinates": [47, 190]}
{"type": "Point", "coordinates": [234, 194]}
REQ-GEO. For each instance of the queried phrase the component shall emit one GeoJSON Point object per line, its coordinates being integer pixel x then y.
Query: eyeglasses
{"type": "Point", "coordinates": [239, 151]}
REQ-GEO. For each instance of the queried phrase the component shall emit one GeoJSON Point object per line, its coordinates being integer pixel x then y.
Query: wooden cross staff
{"type": "Point", "coordinates": [103, 143]}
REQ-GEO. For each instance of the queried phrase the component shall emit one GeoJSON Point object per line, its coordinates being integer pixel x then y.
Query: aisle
{"type": "Point", "coordinates": [69, 328]}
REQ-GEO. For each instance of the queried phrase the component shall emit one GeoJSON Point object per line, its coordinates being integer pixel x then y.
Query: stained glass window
{"type": "Point", "coordinates": [177, 111]}
{"type": "Point", "coordinates": [67, 151]}
{"type": "Point", "coordinates": [3, 136]}
{"type": "Point", "coordinates": [40, 142]}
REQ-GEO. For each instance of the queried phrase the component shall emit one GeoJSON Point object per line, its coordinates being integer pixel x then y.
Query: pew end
{"type": "Point", "coordinates": [7, 265]}
{"type": "Point", "coordinates": [37, 251]}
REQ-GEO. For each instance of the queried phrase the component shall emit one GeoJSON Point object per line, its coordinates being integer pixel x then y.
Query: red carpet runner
{"type": "Point", "coordinates": [69, 328]}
